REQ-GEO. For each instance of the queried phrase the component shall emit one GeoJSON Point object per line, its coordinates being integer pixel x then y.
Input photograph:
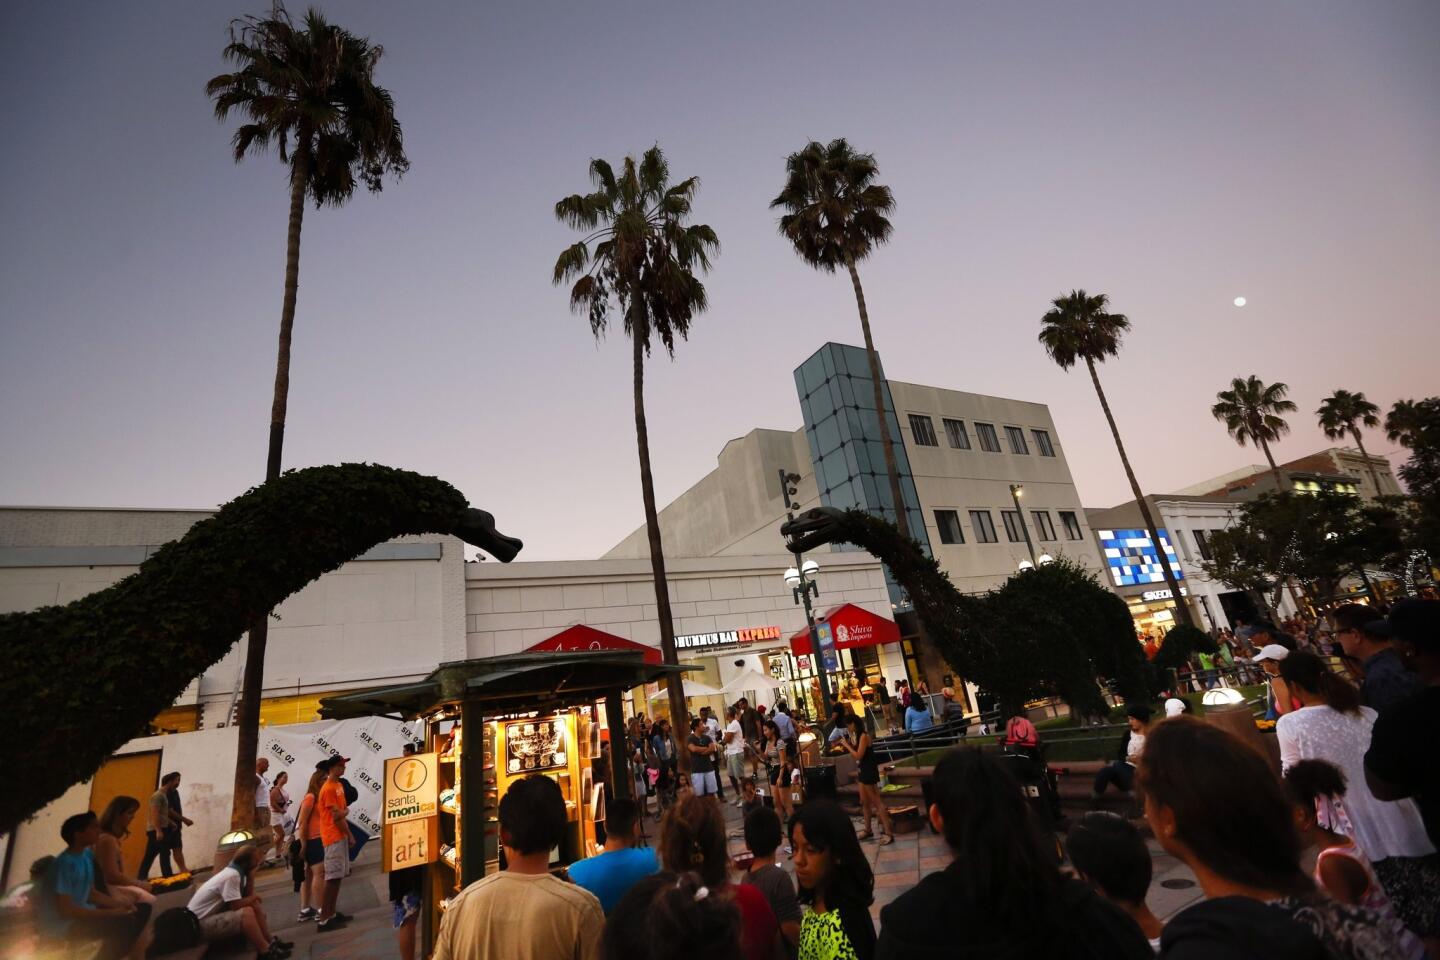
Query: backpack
{"type": "Point", "coordinates": [175, 929]}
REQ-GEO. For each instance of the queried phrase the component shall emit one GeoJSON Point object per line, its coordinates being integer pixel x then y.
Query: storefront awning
{"type": "Point", "coordinates": [581, 637]}
{"type": "Point", "coordinates": [853, 627]}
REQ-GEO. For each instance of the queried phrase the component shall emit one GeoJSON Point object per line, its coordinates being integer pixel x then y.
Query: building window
{"type": "Point", "coordinates": [1016, 436]}
{"type": "Point", "coordinates": [923, 430]}
{"type": "Point", "coordinates": [1013, 531]}
{"type": "Point", "coordinates": [1042, 442]}
{"type": "Point", "coordinates": [989, 442]}
{"type": "Point", "coordinates": [948, 521]}
{"type": "Point", "coordinates": [1043, 525]}
{"type": "Point", "coordinates": [955, 431]}
{"type": "Point", "coordinates": [1071, 524]}
{"type": "Point", "coordinates": [983, 526]}
{"type": "Point", "coordinates": [1202, 543]}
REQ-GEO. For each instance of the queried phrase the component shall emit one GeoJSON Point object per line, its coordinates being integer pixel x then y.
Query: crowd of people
{"type": "Point", "coordinates": [1334, 856]}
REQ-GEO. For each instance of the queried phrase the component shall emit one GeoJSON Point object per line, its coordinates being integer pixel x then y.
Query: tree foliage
{"type": "Point", "coordinates": [82, 679]}
{"type": "Point", "coordinates": [1051, 631]}
{"type": "Point", "coordinates": [1180, 644]}
{"type": "Point", "coordinates": [309, 91]}
{"type": "Point", "coordinates": [1416, 424]}
{"type": "Point", "coordinates": [1252, 412]}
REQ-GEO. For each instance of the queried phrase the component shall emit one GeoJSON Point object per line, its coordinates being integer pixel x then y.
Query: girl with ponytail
{"type": "Point", "coordinates": [1332, 725]}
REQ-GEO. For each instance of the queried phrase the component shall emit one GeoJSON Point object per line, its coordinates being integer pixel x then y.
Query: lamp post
{"type": "Point", "coordinates": [1016, 490]}
{"type": "Point", "coordinates": [802, 588]}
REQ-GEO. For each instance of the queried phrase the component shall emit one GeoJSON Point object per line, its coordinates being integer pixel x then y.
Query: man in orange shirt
{"type": "Point", "coordinates": [331, 810]}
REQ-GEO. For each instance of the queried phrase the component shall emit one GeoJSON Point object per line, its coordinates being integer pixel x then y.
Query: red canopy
{"type": "Point", "coordinates": [853, 627]}
{"type": "Point", "coordinates": [581, 637]}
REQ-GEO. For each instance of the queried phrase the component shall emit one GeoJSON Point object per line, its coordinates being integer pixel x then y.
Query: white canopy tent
{"type": "Point", "coordinates": [693, 688]}
{"type": "Point", "coordinates": [752, 681]}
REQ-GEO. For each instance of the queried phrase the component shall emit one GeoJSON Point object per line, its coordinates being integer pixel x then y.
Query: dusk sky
{"type": "Point", "coordinates": [1174, 156]}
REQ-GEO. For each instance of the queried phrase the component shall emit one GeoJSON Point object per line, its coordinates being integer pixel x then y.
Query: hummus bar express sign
{"type": "Point", "coordinates": [725, 638]}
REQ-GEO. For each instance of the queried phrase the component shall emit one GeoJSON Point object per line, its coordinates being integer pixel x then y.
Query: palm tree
{"type": "Point", "coordinates": [309, 91]}
{"type": "Point", "coordinates": [1404, 421]}
{"type": "Point", "coordinates": [1344, 413]}
{"type": "Point", "coordinates": [836, 214]}
{"type": "Point", "coordinates": [644, 261]}
{"type": "Point", "coordinates": [1080, 327]}
{"type": "Point", "coordinates": [1251, 411]}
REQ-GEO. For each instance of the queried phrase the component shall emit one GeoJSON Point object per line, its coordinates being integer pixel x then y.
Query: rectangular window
{"type": "Point", "coordinates": [1016, 436]}
{"type": "Point", "coordinates": [1042, 442]}
{"type": "Point", "coordinates": [1202, 543]}
{"type": "Point", "coordinates": [923, 430]}
{"type": "Point", "coordinates": [1044, 528]}
{"type": "Point", "coordinates": [989, 442]}
{"type": "Point", "coordinates": [956, 433]}
{"type": "Point", "coordinates": [1071, 524]}
{"type": "Point", "coordinates": [983, 526]}
{"type": "Point", "coordinates": [948, 521]}
{"type": "Point", "coordinates": [1013, 530]}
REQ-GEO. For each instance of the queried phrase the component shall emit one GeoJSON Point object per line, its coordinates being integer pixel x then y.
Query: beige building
{"type": "Point", "coordinates": [1335, 468]}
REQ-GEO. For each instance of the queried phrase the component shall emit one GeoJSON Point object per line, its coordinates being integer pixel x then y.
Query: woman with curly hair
{"type": "Point", "coordinates": [692, 840]}
{"type": "Point", "coordinates": [666, 916]}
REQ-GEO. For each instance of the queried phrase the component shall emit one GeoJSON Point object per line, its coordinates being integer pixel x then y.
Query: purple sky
{"type": "Point", "coordinates": [1174, 156]}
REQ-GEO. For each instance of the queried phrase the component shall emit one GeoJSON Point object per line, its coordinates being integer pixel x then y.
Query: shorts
{"type": "Point", "coordinates": [704, 784]}
{"type": "Point", "coordinates": [735, 765]}
{"type": "Point", "coordinates": [262, 817]}
{"type": "Point", "coordinates": [406, 908]}
{"type": "Point", "coordinates": [869, 775]}
{"type": "Point", "coordinates": [173, 840]}
{"type": "Point", "coordinates": [337, 860]}
{"type": "Point", "coordinates": [222, 925]}
{"type": "Point", "coordinates": [314, 852]}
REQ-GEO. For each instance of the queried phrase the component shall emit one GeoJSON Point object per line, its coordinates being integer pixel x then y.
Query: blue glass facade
{"type": "Point", "coordinates": [837, 402]}
{"type": "Point", "coordinates": [1131, 558]}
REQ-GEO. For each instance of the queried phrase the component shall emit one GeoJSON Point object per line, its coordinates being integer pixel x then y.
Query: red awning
{"type": "Point", "coordinates": [581, 637]}
{"type": "Point", "coordinates": [853, 627]}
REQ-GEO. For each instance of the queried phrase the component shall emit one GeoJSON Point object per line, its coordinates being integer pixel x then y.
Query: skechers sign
{"type": "Point", "coordinates": [697, 641]}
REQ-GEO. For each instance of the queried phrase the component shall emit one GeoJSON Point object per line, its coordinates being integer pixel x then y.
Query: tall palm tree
{"type": "Point", "coordinates": [1344, 413]}
{"type": "Point", "coordinates": [836, 214]}
{"type": "Point", "coordinates": [1081, 327]}
{"type": "Point", "coordinates": [643, 260]}
{"type": "Point", "coordinates": [1251, 411]}
{"type": "Point", "coordinates": [308, 89]}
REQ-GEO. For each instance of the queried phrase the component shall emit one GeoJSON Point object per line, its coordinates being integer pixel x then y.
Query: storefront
{"type": "Point", "coordinates": [867, 650]}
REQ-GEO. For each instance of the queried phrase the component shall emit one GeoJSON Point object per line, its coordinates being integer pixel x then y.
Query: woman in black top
{"type": "Point", "coordinates": [1003, 897]}
{"type": "Point", "coordinates": [859, 745]}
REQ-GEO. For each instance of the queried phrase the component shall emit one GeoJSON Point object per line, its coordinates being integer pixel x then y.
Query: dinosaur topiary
{"type": "Point", "coordinates": [1047, 631]}
{"type": "Point", "coordinates": [82, 679]}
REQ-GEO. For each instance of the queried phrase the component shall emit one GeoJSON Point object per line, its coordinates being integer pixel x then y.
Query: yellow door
{"type": "Point", "coordinates": [136, 775]}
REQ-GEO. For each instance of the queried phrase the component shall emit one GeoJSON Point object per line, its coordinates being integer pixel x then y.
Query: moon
{"type": "Point", "coordinates": [1239, 301]}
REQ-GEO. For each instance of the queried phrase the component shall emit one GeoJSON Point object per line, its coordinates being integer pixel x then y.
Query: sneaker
{"type": "Point", "coordinates": [334, 923]}
{"type": "Point", "coordinates": [343, 917]}
{"type": "Point", "coordinates": [307, 914]}
{"type": "Point", "coordinates": [277, 943]}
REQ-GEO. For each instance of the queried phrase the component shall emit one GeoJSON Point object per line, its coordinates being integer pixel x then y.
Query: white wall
{"type": "Point", "coordinates": [206, 762]}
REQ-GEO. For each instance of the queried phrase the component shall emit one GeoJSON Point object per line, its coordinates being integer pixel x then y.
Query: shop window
{"type": "Point", "coordinates": [1202, 543]}
{"type": "Point", "coordinates": [948, 522]}
{"type": "Point", "coordinates": [1042, 442]}
{"type": "Point", "coordinates": [1013, 530]}
{"type": "Point", "coordinates": [989, 441]}
{"type": "Point", "coordinates": [1016, 436]}
{"type": "Point", "coordinates": [984, 526]}
{"type": "Point", "coordinates": [1071, 523]}
{"type": "Point", "coordinates": [1044, 528]}
{"type": "Point", "coordinates": [923, 430]}
{"type": "Point", "coordinates": [956, 433]}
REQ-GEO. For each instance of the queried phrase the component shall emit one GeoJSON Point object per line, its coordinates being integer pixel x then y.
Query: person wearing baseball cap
{"type": "Point", "coordinates": [1281, 700]}
{"type": "Point", "coordinates": [1365, 637]}
{"type": "Point", "coordinates": [332, 809]}
{"type": "Point", "coordinates": [1404, 755]}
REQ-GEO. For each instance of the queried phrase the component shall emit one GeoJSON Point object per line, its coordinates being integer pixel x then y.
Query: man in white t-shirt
{"type": "Point", "coordinates": [262, 797]}
{"type": "Point", "coordinates": [712, 727]}
{"type": "Point", "coordinates": [734, 741]}
{"type": "Point", "coordinates": [224, 911]}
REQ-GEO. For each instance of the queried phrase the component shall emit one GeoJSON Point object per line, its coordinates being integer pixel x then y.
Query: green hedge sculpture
{"type": "Point", "coordinates": [82, 679]}
{"type": "Point", "coordinates": [1051, 631]}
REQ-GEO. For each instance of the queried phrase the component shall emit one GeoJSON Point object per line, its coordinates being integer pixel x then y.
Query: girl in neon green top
{"type": "Point", "coordinates": [836, 881]}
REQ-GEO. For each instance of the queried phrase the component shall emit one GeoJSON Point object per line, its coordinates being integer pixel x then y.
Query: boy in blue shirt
{"type": "Point", "coordinates": [609, 875]}
{"type": "Point", "coordinates": [72, 910]}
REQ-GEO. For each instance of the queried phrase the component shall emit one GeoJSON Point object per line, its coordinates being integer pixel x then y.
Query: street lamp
{"type": "Point", "coordinates": [800, 580]}
{"type": "Point", "coordinates": [1016, 491]}
{"type": "Point", "coordinates": [1044, 559]}
{"type": "Point", "coordinates": [1025, 565]}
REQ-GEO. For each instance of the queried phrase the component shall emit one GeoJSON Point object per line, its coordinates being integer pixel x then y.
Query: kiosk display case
{"type": "Point", "coordinates": [494, 721]}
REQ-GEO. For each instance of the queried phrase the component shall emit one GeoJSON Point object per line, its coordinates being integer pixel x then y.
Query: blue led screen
{"type": "Point", "coordinates": [1132, 559]}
